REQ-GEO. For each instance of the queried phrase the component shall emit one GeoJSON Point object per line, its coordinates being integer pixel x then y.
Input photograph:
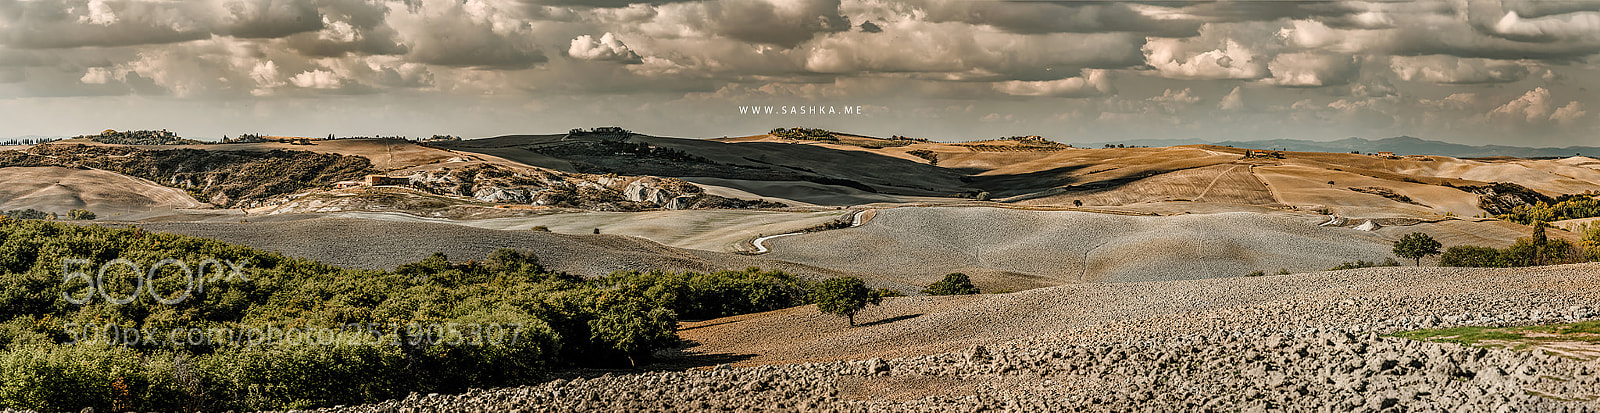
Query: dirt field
{"type": "Point", "coordinates": [1121, 311]}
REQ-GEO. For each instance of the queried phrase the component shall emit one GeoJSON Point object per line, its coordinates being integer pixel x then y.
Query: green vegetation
{"type": "Point", "coordinates": [805, 134]}
{"type": "Point", "coordinates": [1387, 262]}
{"type": "Point", "coordinates": [953, 284]}
{"type": "Point", "coordinates": [1511, 337]}
{"type": "Point", "coordinates": [1471, 256]}
{"type": "Point", "coordinates": [81, 214]}
{"type": "Point", "coordinates": [1536, 249]}
{"type": "Point", "coordinates": [1415, 246]}
{"type": "Point", "coordinates": [1565, 207]}
{"type": "Point", "coordinates": [223, 178]}
{"type": "Point", "coordinates": [365, 335]}
{"type": "Point", "coordinates": [140, 137]}
{"type": "Point", "coordinates": [1256, 273]}
{"type": "Point", "coordinates": [843, 296]}
{"type": "Point", "coordinates": [933, 158]}
{"type": "Point", "coordinates": [28, 214]}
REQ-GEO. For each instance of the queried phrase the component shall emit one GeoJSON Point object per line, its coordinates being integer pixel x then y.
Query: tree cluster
{"type": "Point", "coordinates": [804, 134]}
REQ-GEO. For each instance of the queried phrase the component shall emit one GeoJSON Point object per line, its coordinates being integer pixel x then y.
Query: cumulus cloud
{"type": "Point", "coordinates": [783, 23]}
{"type": "Point", "coordinates": [317, 79]}
{"type": "Point", "coordinates": [1311, 70]}
{"type": "Point", "coordinates": [1537, 107]}
{"type": "Point", "coordinates": [1568, 114]}
{"type": "Point", "coordinates": [1454, 70]}
{"type": "Point", "coordinates": [958, 52]}
{"type": "Point", "coordinates": [607, 49]}
{"type": "Point", "coordinates": [1234, 100]}
{"type": "Point", "coordinates": [1092, 83]}
{"type": "Point", "coordinates": [1182, 96]}
{"type": "Point", "coordinates": [1052, 17]}
{"type": "Point", "coordinates": [470, 33]}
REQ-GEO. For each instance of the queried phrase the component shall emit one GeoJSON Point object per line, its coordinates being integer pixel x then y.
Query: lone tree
{"type": "Point", "coordinates": [844, 296]}
{"type": "Point", "coordinates": [1415, 246]}
{"type": "Point", "coordinates": [953, 284]}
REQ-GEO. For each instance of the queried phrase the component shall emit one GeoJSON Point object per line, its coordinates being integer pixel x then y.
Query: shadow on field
{"type": "Point", "coordinates": [889, 320]}
{"type": "Point", "coordinates": [706, 325]}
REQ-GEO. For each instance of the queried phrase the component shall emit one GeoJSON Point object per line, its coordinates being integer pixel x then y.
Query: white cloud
{"type": "Point", "coordinates": [99, 13]}
{"type": "Point", "coordinates": [1182, 96]}
{"type": "Point", "coordinates": [1092, 83]}
{"type": "Point", "coordinates": [317, 79]}
{"type": "Point", "coordinates": [1231, 61]}
{"type": "Point", "coordinates": [1233, 101]}
{"type": "Point", "coordinates": [1311, 70]}
{"type": "Point", "coordinates": [1538, 107]}
{"type": "Point", "coordinates": [1455, 70]}
{"type": "Point", "coordinates": [1568, 114]}
{"type": "Point", "coordinates": [607, 48]}
{"type": "Point", "coordinates": [96, 76]}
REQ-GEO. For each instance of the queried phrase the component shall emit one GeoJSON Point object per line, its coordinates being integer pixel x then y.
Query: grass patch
{"type": "Point", "coordinates": [1459, 335]}
{"type": "Point", "coordinates": [1517, 338]}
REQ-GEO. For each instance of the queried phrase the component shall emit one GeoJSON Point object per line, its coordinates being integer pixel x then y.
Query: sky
{"type": "Point", "coordinates": [1510, 72]}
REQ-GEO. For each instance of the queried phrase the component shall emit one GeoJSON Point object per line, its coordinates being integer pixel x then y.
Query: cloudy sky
{"type": "Point", "coordinates": [1514, 72]}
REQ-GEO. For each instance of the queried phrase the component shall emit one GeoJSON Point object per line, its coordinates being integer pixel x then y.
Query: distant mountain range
{"type": "Point", "coordinates": [1404, 145]}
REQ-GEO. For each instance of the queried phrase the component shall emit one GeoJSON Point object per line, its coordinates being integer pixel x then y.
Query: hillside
{"type": "Point", "coordinates": [1018, 249]}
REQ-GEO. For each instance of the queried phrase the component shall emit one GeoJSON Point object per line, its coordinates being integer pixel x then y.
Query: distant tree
{"type": "Point", "coordinates": [843, 296]}
{"type": "Point", "coordinates": [1077, 202]}
{"type": "Point", "coordinates": [953, 284]}
{"type": "Point", "coordinates": [1257, 273]}
{"type": "Point", "coordinates": [540, 228]}
{"type": "Point", "coordinates": [1330, 184]}
{"type": "Point", "coordinates": [1415, 246]}
{"type": "Point", "coordinates": [597, 231]}
{"type": "Point", "coordinates": [982, 196]}
{"type": "Point", "coordinates": [80, 214]}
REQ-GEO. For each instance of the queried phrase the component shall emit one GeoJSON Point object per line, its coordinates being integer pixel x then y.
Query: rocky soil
{"type": "Point", "coordinates": [1316, 355]}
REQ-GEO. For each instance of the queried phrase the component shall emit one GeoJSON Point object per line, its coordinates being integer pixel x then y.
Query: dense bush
{"type": "Point", "coordinates": [429, 326]}
{"type": "Point", "coordinates": [28, 214]}
{"type": "Point", "coordinates": [720, 294]}
{"type": "Point", "coordinates": [80, 214]}
{"type": "Point", "coordinates": [953, 284]}
{"type": "Point", "coordinates": [1532, 250]}
{"type": "Point", "coordinates": [1471, 256]}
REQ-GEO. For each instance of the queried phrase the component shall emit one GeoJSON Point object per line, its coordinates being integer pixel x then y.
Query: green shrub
{"type": "Point", "coordinates": [1256, 273]}
{"type": "Point", "coordinates": [80, 214]}
{"type": "Point", "coordinates": [953, 284]}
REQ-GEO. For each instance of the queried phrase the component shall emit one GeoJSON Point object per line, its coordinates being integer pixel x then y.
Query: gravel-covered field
{"type": "Point", "coordinates": [1308, 342]}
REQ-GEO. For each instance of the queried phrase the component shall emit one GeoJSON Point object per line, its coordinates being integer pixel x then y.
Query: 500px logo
{"type": "Point", "coordinates": [145, 280]}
